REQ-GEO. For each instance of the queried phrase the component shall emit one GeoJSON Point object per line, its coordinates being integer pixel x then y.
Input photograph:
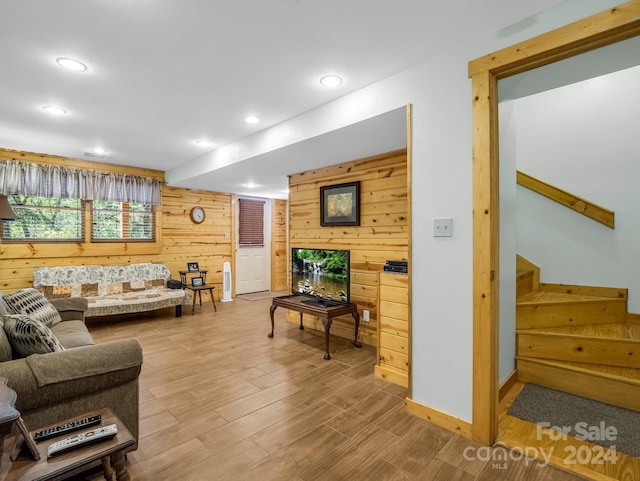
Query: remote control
{"type": "Point", "coordinates": [82, 439]}
{"type": "Point", "coordinates": [70, 427]}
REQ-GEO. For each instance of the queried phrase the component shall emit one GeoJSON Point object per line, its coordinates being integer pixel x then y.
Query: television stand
{"type": "Point", "coordinates": [325, 312]}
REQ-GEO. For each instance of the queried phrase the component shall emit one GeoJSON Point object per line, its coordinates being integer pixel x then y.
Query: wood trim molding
{"type": "Point", "coordinates": [567, 199]}
{"type": "Point", "coordinates": [409, 238]}
{"type": "Point", "coordinates": [485, 258]}
{"type": "Point", "coordinates": [439, 418]}
{"type": "Point", "coordinates": [508, 384]}
{"type": "Point", "coordinates": [633, 318]}
{"type": "Point", "coordinates": [605, 28]}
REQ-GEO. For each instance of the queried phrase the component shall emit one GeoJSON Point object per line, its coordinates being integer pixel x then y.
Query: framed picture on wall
{"type": "Point", "coordinates": [340, 204]}
{"type": "Point", "coordinates": [192, 267]}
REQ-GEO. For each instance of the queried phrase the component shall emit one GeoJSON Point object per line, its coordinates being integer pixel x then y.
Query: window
{"type": "Point", "coordinates": [251, 222]}
{"type": "Point", "coordinates": [118, 221]}
{"type": "Point", "coordinates": [44, 219]}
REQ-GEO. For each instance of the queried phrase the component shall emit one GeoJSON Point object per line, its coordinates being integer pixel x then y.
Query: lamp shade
{"type": "Point", "coordinates": [6, 212]}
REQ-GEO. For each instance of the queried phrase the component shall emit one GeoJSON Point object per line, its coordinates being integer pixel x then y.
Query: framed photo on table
{"type": "Point", "coordinates": [197, 281]}
{"type": "Point", "coordinates": [193, 267]}
{"type": "Point", "coordinates": [340, 204]}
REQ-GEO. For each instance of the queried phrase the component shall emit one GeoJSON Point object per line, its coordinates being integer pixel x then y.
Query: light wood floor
{"type": "Point", "coordinates": [521, 434]}
{"type": "Point", "coordinates": [221, 401]}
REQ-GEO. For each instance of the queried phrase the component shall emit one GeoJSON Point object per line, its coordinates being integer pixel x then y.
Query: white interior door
{"type": "Point", "coordinates": [253, 262]}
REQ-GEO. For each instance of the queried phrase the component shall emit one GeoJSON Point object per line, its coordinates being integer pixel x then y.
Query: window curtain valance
{"type": "Point", "coordinates": [43, 180]}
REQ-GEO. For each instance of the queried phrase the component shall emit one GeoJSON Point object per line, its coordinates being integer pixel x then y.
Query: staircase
{"type": "Point", "coordinates": [576, 339]}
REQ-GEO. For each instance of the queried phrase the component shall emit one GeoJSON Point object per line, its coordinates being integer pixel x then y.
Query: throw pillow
{"type": "Point", "coordinates": [33, 303]}
{"type": "Point", "coordinates": [6, 354]}
{"type": "Point", "coordinates": [29, 336]}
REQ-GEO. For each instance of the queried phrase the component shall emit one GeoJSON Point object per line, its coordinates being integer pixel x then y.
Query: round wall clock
{"type": "Point", "coordinates": [197, 214]}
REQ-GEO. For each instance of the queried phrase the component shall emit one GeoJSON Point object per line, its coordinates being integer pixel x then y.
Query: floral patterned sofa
{"type": "Point", "coordinates": [118, 289]}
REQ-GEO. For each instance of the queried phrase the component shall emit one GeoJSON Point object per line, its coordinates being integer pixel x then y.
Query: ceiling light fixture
{"type": "Point", "coordinates": [71, 64]}
{"type": "Point", "coordinates": [330, 80]}
{"type": "Point", "coordinates": [53, 110]}
{"type": "Point", "coordinates": [203, 143]}
{"type": "Point", "coordinates": [252, 120]}
{"type": "Point", "coordinates": [250, 185]}
{"type": "Point", "coordinates": [99, 150]}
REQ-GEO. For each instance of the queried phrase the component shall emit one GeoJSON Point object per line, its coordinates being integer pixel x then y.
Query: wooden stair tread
{"type": "Point", "coordinates": [521, 273]}
{"type": "Point", "coordinates": [622, 374]}
{"type": "Point", "coordinates": [544, 297]}
{"type": "Point", "coordinates": [607, 331]}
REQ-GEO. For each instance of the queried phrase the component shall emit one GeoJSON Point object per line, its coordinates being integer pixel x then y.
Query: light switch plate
{"type": "Point", "coordinates": [442, 227]}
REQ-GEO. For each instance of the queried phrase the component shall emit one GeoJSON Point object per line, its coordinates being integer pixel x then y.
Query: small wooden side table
{"type": "Point", "coordinates": [110, 452]}
{"type": "Point", "coordinates": [197, 292]}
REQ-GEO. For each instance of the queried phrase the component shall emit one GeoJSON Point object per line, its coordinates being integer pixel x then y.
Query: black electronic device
{"type": "Point", "coordinates": [67, 428]}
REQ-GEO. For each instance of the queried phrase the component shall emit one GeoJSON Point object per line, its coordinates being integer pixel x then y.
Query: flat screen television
{"type": "Point", "coordinates": [321, 274]}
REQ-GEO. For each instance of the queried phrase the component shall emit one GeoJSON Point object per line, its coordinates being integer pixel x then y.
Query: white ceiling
{"type": "Point", "coordinates": [164, 73]}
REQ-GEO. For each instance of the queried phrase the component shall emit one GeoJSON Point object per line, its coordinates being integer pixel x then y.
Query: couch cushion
{"type": "Point", "coordinates": [29, 336]}
{"type": "Point", "coordinates": [5, 347]}
{"type": "Point", "coordinates": [56, 292]}
{"type": "Point", "coordinates": [32, 303]}
{"type": "Point", "coordinates": [72, 334]}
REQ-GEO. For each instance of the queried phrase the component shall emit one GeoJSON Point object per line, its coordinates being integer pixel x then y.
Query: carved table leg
{"type": "Point", "coordinates": [301, 325]}
{"type": "Point", "coordinates": [355, 342]}
{"type": "Point", "coordinates": [327, 328]}
{"type": "Point", "coordinates": [109, 473]}
{"type": "Point", "coordinates": [120, 466]}
{"type": "Point", "coordinates": [271, 311]}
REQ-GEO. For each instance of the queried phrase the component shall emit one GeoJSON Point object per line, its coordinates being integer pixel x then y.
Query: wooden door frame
{"type": "Point", "coordinates": [605, 28]}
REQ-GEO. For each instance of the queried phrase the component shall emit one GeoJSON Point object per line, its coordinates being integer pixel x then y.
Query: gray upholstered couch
{"type": "Point", "coordinates": [85, 376]}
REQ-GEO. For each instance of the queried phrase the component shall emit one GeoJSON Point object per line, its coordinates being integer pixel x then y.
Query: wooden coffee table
{"type": "Point", "coordinates": [110, 452]}
{"type": "Point", "coordinates": [326, 313]}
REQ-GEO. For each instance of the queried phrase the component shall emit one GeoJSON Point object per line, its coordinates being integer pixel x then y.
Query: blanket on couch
{"type": "Point", "coordinates": [117, 289]}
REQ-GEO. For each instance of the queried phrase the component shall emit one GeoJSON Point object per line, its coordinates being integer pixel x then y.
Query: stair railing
{"type": "Point", "coordinates": [573, 202]}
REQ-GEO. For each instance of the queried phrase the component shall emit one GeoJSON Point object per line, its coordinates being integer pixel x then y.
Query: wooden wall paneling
{"type": "Point", "coordinates": [279, 254]}
{"type": "Point", "coordinates": [382, 235]}
{"type": "Point", "coordinates": [178, 240]}
{"type": "Point", "coordinates": [8, 154]}
{"type": "Point", "coordinates": [208, 243]}
{"type": "Point", "coordinates": [393, 325]}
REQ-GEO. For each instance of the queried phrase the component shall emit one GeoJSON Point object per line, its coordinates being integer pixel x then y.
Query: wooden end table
{"type": "Point", "coordinates": [110, 452]}
{"type": "Point", "coordinates": [197, 292]}
{"type": "Point", "coordinates": [305, 305]}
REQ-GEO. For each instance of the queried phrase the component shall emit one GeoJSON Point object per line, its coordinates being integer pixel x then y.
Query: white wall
{"type": "Point", "coordinates": [508, 239]}
{"type": "Point", "coordinates": [440, 91]}
{"type": "Point", "coordinates": [583, 138]}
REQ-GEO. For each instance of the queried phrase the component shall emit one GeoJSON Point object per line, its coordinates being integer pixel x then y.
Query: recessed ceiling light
{"type": "Point", "coordinates": [252, 120]}
{"type": "Point", "coordinates": [99, 150]}
{"type": "Point", "coordinates": [71, 64]}
{"type": "Point", "coordinates": [250, 185]}
{"type": "Point", "coordinates": [203, 143]}
{"type": "Point", "coordinates": [50, 109]}
{"type": "Point", "coordinates": [330, 80]}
